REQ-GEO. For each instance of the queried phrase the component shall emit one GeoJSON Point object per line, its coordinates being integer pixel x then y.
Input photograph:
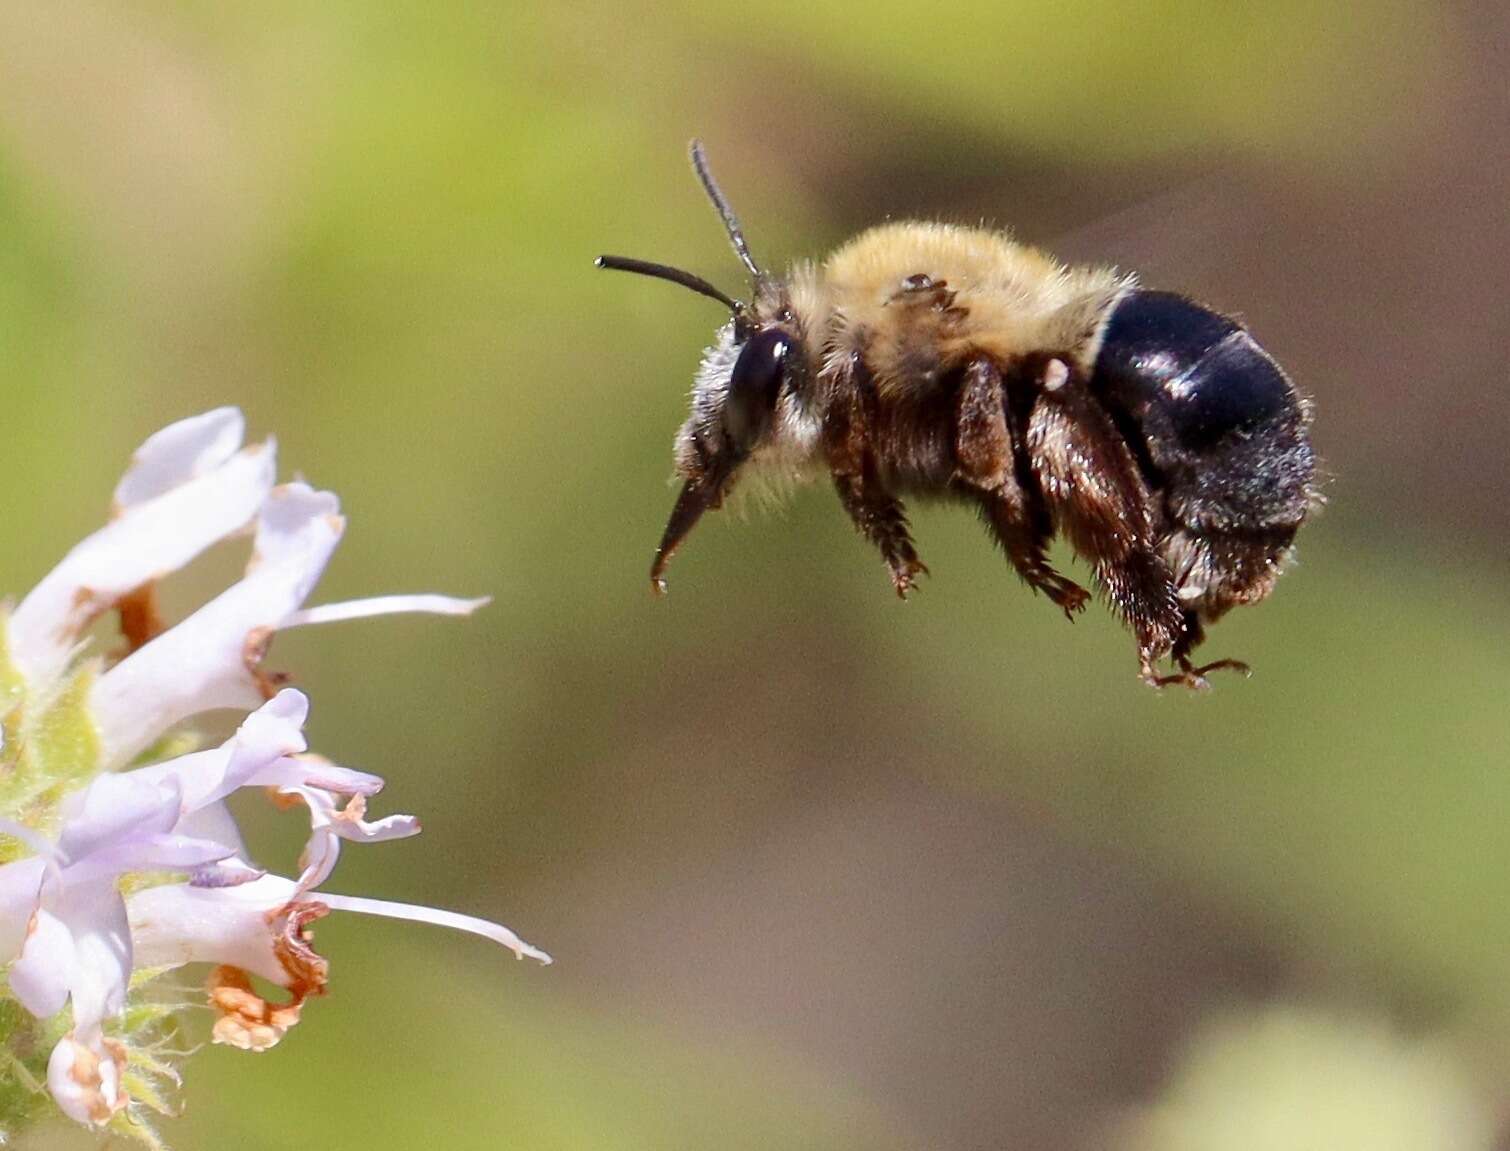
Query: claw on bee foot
{"type": "Point", "coordinates": [1068, 597]}
{"type": "Point", "coordinates": [1236, 665]}
{"type": "Point", "coordinates": [904, 576]}
{"type": "Point", "coordinates": [1188, 674]}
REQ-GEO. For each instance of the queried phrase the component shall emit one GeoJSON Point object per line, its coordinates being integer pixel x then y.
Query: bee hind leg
{"type": "Point", "coordinates": [1189, 675]}
{"type": "Point", "coordinates": [991, 464]}
{"type": "Point", "coordinates": [1095, 493]}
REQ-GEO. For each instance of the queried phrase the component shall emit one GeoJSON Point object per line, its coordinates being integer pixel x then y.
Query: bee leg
{"type": "Point", "coordinates": [991, 463]}
{"type": "Point", "coordinates": [877, 514]}
{"type": "Point", "coordinates": [1190, 675]}
{"type": "Point", "coordinates": [1024, 543]}
{"type": "Point", "coordinates": [1095, 493]}
{"type": "Point", "coordinates": [882, 520]}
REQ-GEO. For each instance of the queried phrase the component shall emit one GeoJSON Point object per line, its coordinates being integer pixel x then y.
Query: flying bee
{"type": "Point", "coordinates": [923, 359]}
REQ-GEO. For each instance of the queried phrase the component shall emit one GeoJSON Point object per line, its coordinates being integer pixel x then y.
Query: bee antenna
{"type": "Point", "coordinates": [720, 201]}
{"type": "Point", "coordinates": [675, 275]}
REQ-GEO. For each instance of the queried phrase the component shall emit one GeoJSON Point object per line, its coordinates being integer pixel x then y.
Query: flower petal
{"type": "Point", "coordinates": [96, 917]}
{"type": "Point", "coordinates": [214, 821]}
{"type": "Point", "coordinates": [275, 730]}
{"type": "Point", "coordinates": [177, 923]}
{"type": "Point", "coordinates": [330, 824]}
{"type": "Point", "coordinates": [179, 453]}
{"type": "Point", "coordinates": [20, 893]}
{"type": "Point", "coordinates": [149, 538]}
{"type": "Point", "coordinates": [148, 853]}
{"type": "Point", "coordinates": [40, 978]}
{"type": "Point", "coordinates": [385, 605]}
{"type": "Point", "coordinates": [113, 808]}
{"type": "Point", "coordinates": [116, 807]}
{"type": "Point", "coordinates": [204, 662]}
{"type": "Point", "coordinates": [284, 535]}
{"type": "Point", "coordinates": [316, 771]}
{"type": "Point", "coordinates": [272, 732]}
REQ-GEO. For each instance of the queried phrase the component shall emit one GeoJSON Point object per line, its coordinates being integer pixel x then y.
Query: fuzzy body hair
{"type": "Point", "coordinates": [936, 360]}
{"type": "Point", "coordinates": [1010, 300]}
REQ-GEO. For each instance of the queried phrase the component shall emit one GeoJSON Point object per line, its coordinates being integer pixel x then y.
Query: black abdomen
{"type": "Point", "coordinates": [1213, 419]}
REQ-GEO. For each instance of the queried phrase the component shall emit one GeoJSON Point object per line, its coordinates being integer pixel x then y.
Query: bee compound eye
{"type": "Point", "coordinates": [754, 385]}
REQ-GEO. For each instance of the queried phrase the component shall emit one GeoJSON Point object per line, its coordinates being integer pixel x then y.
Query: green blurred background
{"type": "Point", "coordinates": [819, 869]}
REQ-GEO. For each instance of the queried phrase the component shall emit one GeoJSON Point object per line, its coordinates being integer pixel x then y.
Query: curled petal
{"type": "Point", "coordinates": [330, 824]}
{"type": "Point", "coordinates": [150, 537]}
{"type": "Point", "coordinates": [385, 605]}
{"type": "Point", "coordinates": [274, 730]}
{"type": "Point", "coordinates": [318, 772]}
{"type": "Point", "coordinates": [85, 1078]}
{"type": "Point", "coordinates": [265, 737]}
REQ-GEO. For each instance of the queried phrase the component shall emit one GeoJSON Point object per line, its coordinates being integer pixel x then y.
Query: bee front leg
{"type": "Point", "coordinates": [877, 514]}
{"type": "Point", "coordinates": [991, 462]}
{"type": "Point", "coordinates": [882, 520]}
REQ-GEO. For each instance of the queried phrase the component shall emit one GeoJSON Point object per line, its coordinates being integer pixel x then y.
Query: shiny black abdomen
{"type": "Point", "coordinates": [1213, 420]}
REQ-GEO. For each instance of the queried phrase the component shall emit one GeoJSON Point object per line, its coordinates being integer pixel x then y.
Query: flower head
{"type": "Point", "coordinates": [128, 861]}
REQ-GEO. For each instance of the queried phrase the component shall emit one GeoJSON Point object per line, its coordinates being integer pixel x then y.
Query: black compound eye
{"type": "Point", "coordinates": [754, 386]}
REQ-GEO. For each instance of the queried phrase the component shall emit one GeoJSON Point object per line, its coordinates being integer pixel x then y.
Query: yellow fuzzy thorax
{"type": "Point", "coordinates": [1009, 300]}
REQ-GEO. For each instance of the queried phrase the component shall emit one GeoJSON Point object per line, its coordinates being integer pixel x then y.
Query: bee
{"type": "Point", "coordinates": [921, 359]}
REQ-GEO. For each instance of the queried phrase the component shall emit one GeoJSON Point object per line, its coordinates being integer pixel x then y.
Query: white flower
{"type": "Point", "coordinates": [260, 927]}
{"type": "Point", "coordinates": [188, 487]}
{"type": "Point", "coordinates": [70, 935]}
{"type": "Point", "coordinates": [77, 945]}
{"type": "Point", "coordinates": [212, 659]}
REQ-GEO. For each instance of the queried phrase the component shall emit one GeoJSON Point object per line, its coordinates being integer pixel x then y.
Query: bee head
{"type": "Point", "coordinates": [734, 400]}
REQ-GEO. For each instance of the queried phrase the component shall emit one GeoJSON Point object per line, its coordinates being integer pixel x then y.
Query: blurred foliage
{"type": "Point", "coordinates": [373, 228]}
{"type": "Point", "coordinates": [1292, 1078]}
